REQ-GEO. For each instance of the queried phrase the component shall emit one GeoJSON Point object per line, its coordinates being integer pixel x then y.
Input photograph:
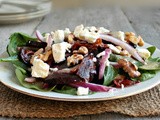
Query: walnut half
{"type": "Point", "coordinates": [130, 68]}
{"type": "Point", "coordinates": [74, 59]}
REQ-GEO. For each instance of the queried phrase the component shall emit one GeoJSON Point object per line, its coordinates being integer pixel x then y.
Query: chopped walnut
{"type": "Point", "coordinates": [40, 51]}
{"type": "Point", "coordinates": [131, 37]}
{"type": "Point", "coordinates": [82, 50]}
{"type": "Point", "coordinates": [74, 59]}
{"type": "Point", "coordinates": [130, 68]}
{"type": "Point", "coordinates": [45, 55]}
{"type": "Point", "coordinates": [141, 42]}
{"type": "Point", "coordinates": [125, 53]}
{"type": "Point", "coordinates": [71, 38]}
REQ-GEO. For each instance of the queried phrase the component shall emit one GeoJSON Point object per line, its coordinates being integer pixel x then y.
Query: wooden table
{"type": "Point", "coordinates": [145, 22]}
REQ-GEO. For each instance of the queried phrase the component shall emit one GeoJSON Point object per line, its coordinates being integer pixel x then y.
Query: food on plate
{"type": "Point", "coordinates": [81, 62]}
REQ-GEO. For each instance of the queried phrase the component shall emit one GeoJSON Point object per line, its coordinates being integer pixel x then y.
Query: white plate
{"type": "Point", "coordinates": [8, 78]}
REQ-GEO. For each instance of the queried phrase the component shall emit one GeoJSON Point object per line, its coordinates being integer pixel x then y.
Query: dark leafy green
{"type": "Point", "coordinates": [109, 74]}
{"type": "Point", "coordinates": [21, 75]}
{"type": "Point", "coordinates": [115, 58]}
{"type": "Point", "coordinates": [66, 90]}
{"type": "Point", "coordinates": [16, 40]}
{"type": "Point", "coordinates": [151, 49]}
{"type": "Point", "coordinates": [146, 75]}
{"type": "Point", "coordinates": [151, 65]}
{"type": "Point", "coordinates": [9, 59]}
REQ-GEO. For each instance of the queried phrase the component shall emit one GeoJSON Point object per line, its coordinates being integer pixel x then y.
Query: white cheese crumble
{"type": "Point", "coordinates": [94, 59]}
{"type": "Point", "coordinates": [144, 53]}
{"type": "Point", "coordinates": [78, 30]}
{"type": "Point", "coordinates": [58, 36]}
{"type": "Point", "coordinates": [39, 68]}
{"type": "Point", "coordinates": [85, 34]}
{"type": "Point", "coordinates": [120, 35]}
{"type": "Point", "coordinates": [59, 50]}
{"type": "Point", "coordinates": [103, 30]}
{"type": "Point", "coordinates": [91, 28]}
{"type": "Point", "coordinates": [82, 91]}
{"type": "Point", "coordinates": [113, 48]}
{"type": "Point", "coordinates": [66, 32]}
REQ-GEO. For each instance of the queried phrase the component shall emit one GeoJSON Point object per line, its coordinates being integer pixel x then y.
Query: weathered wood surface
{"type": "Point", "coordinates": [140, 21]}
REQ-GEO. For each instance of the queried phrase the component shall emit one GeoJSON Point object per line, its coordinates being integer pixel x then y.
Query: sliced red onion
{"type": "Point", "coordinates": [30, 80]}
{"type": "Point", "coordinates": [39, 35]}
{"type": "Point", "coordinates": [103, 63]}
{"type": "Point", "coordinates": [49, 41]}
{"type": "Point", "coordinates": [93, 87]}
{"type": "Point", "coordinates": [124, 45]}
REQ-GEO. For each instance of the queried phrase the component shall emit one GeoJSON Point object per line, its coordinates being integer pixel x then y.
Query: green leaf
{"type": "Point", "coordinates": [17, 39]}
{"type": "Point", "coordinates": [151, 49]}
{"type": "Point", "coordinates": [145, 75]}
{"type": "Point", "coordinates": [109, 74]}
{"type": "Point", "coordinates": [151, 65]}
{"type": "Point", "coordinates": [9, 59]}
{"type": "Point", "coordinates": [66, 90]}
{"type": "Point", "coordinates": [21, 75]}
{"type": "Point", "coordinates": [115, 58]}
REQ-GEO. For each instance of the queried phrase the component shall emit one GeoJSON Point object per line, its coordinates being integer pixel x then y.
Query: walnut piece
{"type": "Point", "coordinates": [40, 55]}
{"type": "Point", "coordinates": [131, 37]}
{"type": "Point", "coordinates": [40, 51]}
{"type": "Point", "coordinates": [82, 50]}
{"type": "Point", "coordinates": [74, 59]}
{"type": "Point", "coordinates": [45, 55]}
{"type": "Point", "coordinates": [71, 38]}
{"type": "Point", "coordinates": [130, 68]}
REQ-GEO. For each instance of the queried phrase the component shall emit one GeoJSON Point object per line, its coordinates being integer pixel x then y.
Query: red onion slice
{"type": "Point", "coordinates": [39, 35]}
{"type": "Point", "coordinates": [93, 87]}
{"type": "Point", "coordinates": [30, 80]}
{"type": "Point", "coordinates": [103, 63]}
{"type": "Point", "coordinates": [124, 45]}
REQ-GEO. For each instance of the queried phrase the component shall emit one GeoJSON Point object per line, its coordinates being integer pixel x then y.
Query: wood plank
{"type": "Point", "coordinates": [110, 17]}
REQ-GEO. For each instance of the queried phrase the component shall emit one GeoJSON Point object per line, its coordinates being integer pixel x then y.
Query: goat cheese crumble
{"type": "Point", "coordinates": [39, 68]}
{"type": "Point", "coordinates": [82, 91]}
{"type": "Point", "coordinates": [59, 50]}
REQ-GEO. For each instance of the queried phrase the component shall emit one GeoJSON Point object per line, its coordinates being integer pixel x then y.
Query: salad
{"type": "Point", "coordinates": [81, 62]}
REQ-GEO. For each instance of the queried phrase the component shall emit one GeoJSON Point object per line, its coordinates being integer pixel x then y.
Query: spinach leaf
{"type": "Point", "coordinates": [21, 75]}
{"type": "Point", "coordinates": [17, 39]}
{"type": "Point", "coordinates": [115, 58]}
{"type": "Point", "coordinates": [145, 75]}
{"type": "Point", "coordinates": [151, 49]}
{"type": "Point", "coordinates": [109, 74]}
{"type": "Point", "coordinates": [151, 65]}
{"type": "Point", "coordinates": [66, 90]}
{"type": "Point", "coordinates": [9, 59]}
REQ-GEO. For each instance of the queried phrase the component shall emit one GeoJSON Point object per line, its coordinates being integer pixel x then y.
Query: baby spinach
{"type": "Point", "coordinates": [115, 58]}
{"type": "Point", "coordinates": [151, 49]}
{"type": "Point", "coordinates": [21, 75]}
{"type": "Point", "coordinates": [16, 40]}
{"type": "Point", "coordinates": [109, 74]}
{"type": "Point", "coordinates": [66, 90]}
{"type": "Point", "coordinates": [146, 75]}
{"type": "Point", "coordinates": [150, 65]}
